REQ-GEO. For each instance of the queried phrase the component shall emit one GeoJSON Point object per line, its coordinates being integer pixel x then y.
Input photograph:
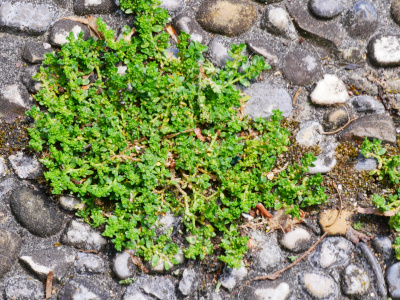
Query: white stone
{"type": "Point", "coordinates": [269, 256]}
{"type": "Point", "coordinates": [188, 282]}
{"type": "Point", "coordinates": [184, 25]}
{"type": "Point", "coordinates": [92, 2]}
{"type": "Point", "coordinates": [291, 239]}
{"type": "Point", "coordinates": [232, 277]}
{"type": "Point", "coordinates": [171, 5]}
{"type": "Point", "coordinates": [81, 235]}
{"type": "Point", "coordinates": [330, 91]}
{"type": "Point", "coordinates": [356, 281]}
{"type": "Point", "coordinates": [328, 257]}
{"type": "Point", "coordinates": [122, 70]}
{"type": "Point", "coordinates": [40, 269]}
{"type": "Point", "coordinates": [61, 38]}
{"type": "Point", "coordinates": [281, 292]}
{"type": "Point", "coordinates": [309, 134]}
{"type": "Point", "coordinates": [318, 285]}
{"type": "Point", "coordinates": [386, 50]}
{"type": "Point", "coordinates": [123, 266]}
{"type": "Point", "coordinates": [69, 202]}
{"type": "Point", "coordinates": [12, 94]}
{"type": "Point", "coordinates": [326, 160]}
{"type": "Point", "coordinates": [26, 167]}
{"type": "Point", "coordinates": [279, 18]}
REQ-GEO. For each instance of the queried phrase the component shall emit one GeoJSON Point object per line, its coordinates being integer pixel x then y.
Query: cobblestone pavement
{"type": "Point", "coordinates": [332, 61]}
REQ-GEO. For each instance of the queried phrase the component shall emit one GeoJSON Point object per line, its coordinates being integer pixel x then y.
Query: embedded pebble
{"type": "Point", "coordinates": [264, 98]}
{"type": "Point", "coordinates": [173, 6]}
{"type": "Point", "coordinates": [384, 50]}
{"type": "Point", "coordinates": [333, 251]}
{"type": "Point", "coordinates": [10, 246]}
{"type": "Point", "coordinates": [80, 235]}
{"type": "Point", "coordinates": [361, 20]}
{"type": "Point", "coordinates": [185, 22]}
{"type": "Point", "coordinates": [14, 100]}
{"type": "Point", "coordinates": [300, 66]}
{"type": "Point", "coordinates": [89, 264]}
{"type": "Point", "coordinates": [189, 282]}
{"type": "Point", "coordinates": [355, 281]}
{"type": "Point", "coordinates": [277, 20]}
{"type": "Point", "coordinates": [309, 134]}
{"type": "Point", "coordinates": [392, 278]}
{"type": "Point", "coordinates": [26, 17]}
{"type": "Point", "coordinates": [335, 118]}
{"type": "Point", "coordinates": [327, 8]}
{"type": "Point", "coordinates": [319, 285]}
{"type": "Point", "coordinates": [34, 51]}
{"type": "Point", "coordinates": [86, 7]}
{"type": "Point", "coordinates": [227, 17]}
{"type": "Point", "coordinates": [69, 202]}
{"type": "Point", "coordinates": [26, 167]}
{"type": "Point", "coordinates": [23, 288]}
{"type": "Point", "coordinates": [281, 292]}
{"type": "Point", "coordinates": [232, 276]}
{"type": "Point", "coordinates": [330, 91]}
{"type": "Point", "coordinates": [380, 127]}
{"type": "Point", "coordinates": [269, 256]}
{"type": "Point", "coordinates": [326, 160]}
{"type": "Point", "coordinates": [218, 52]}
{"type": "Point", "coordinates": [31, 84]}
{"type": "Point", "coordinates": [328, 31]}
{"type": "Point", "coordinates": [367, 105]}
{"type": "Point", "coordinates": [41, 262]}
{"type": "Point", "coordinates": [395, 11]}
{"type": "Point", "coordinates": [36, 212]}
{"type": "Point", "coordinates": [159, 287]}
{"type": "Point", "coordinates": [263, 49]}
{"type": "Point", "coordinates": [297, 240]}
{"type": "Point", "coordinates": [78, 288]}
{"type": "Point", "coordinates": [365, 164]}
{"type": "Point", "coordinates": [383, 245]}
{"type": "Point", "coordinates": [62, 28]}
{"type": "Point", "coordinates": [123, 266]}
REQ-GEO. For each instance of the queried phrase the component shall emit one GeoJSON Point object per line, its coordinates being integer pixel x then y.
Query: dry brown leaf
{"type": "Point", "coordinates": [136, 260]}
{"type": "Point", "coordinates": [90, 22]}
{"type": "Point", "coordinates": [284, 222]}
{"type": "Point", "coordinates": [199, 135]}
{"type": "Point", "coordinates": [85, 87]}
{"type": "Point", "coordinates": [263, 210]}
{"type": "Point", "coordinates": [172, 32]}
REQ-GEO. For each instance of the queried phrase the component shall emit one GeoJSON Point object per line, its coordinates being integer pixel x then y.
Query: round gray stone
{"type": "Point", "coordinates": [23, 288]}
{"type": "Point", "coordinates": [36, 212]}
{"type": "Point", "coordinates": [264, 98]}
{"type": "Point", "coordinates": [327, 8]}
{"type": "Point", "coordinates": [383, 245]}
{"type": "Point", "coordinates": [365, 164]}
{"type": "Point", "coordinates": [297, 240]}
{"type": "Point", "coordinates": [300, 67]}
{"type": "Point", "coordinates": [89, 264]}
{"type": "Point", "coordinates": [82, 289]}
{"type": "Point", "coordinates": [123, 266]}
{"type": "Point", "coordinates": [277, 20]}
{"type": "Point", "coordinates": [189, 282]}
{"type": "Point", "coordinates": [319, 285]}
{"type": "Point", "coordinates": [367, 105]}
{"type": "Point", "coordinates": [335, 118]}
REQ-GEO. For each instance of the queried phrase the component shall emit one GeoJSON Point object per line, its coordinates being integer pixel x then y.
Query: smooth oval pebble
{"type": "Point", "coordinates": [327, 8]}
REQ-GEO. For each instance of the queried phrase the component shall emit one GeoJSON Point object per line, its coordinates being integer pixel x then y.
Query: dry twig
{"type": "Point", "coordinates": [49, 284]}
{"type": "Point", "coordinates": [263, 210]}
{"type": "Point", "coordinates": [340, 207]}
{"type": "Point", "coordinates": [374, 211]}
{"type": "Point", "coordinates": [278, 273]}
{"type": "Point", "coordinates": [340, 129]}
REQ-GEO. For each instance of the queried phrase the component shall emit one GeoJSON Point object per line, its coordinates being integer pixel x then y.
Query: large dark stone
{"type": "Point", "coordinates": [10, 245]}
{"type": "Point", "coordinates": [61, 29]}
{"type": "Point", "coordinates": [327, 31]}
{"type": "Point", "coordinates": [227, 17]}
{"type": "Point", "coordinates": [36, 212]}
{"type": "Point", "coordinates": [14, 101]}
{"type": "Point", "coordinates": [34, 51]}
{"type": "Point", "coordinates": [379, 127]}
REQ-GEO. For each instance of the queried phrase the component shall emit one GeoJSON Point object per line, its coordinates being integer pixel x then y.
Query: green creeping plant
{"type": "Point", "coordinates": [388, 169]}
{"type": "Point", "coordinates": [166, 136]}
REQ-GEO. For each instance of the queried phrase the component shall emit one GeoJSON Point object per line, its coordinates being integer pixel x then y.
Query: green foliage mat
{"type": "Point", "coordinates": [169, 136]}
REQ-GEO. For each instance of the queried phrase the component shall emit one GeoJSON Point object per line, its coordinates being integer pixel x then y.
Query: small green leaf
{"type": "Point", "coordinates": [191, 239]}
{"type": "Point", "coordinates": [167, 265]}
{"type": "Point", "coordinates": [154, 260]}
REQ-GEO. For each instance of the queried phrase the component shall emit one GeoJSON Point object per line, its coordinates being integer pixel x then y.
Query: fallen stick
{"type": "Point", "coordinates": [136, 261]}
{"type": "Point", "coordinates": [340, 207]}
{"type": "Point", "coordinates": [374, 211]}
{"type": "Point", "coordinates": [296, 96]}
{"type": "Point", "coordinates": [340, 129]}
{"type": "Point", "coordinates": [49, 284]}
{"type": "Point", "coordinates": [263, 210]}
{"type": "Point", "coordinates": [278, 273]}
